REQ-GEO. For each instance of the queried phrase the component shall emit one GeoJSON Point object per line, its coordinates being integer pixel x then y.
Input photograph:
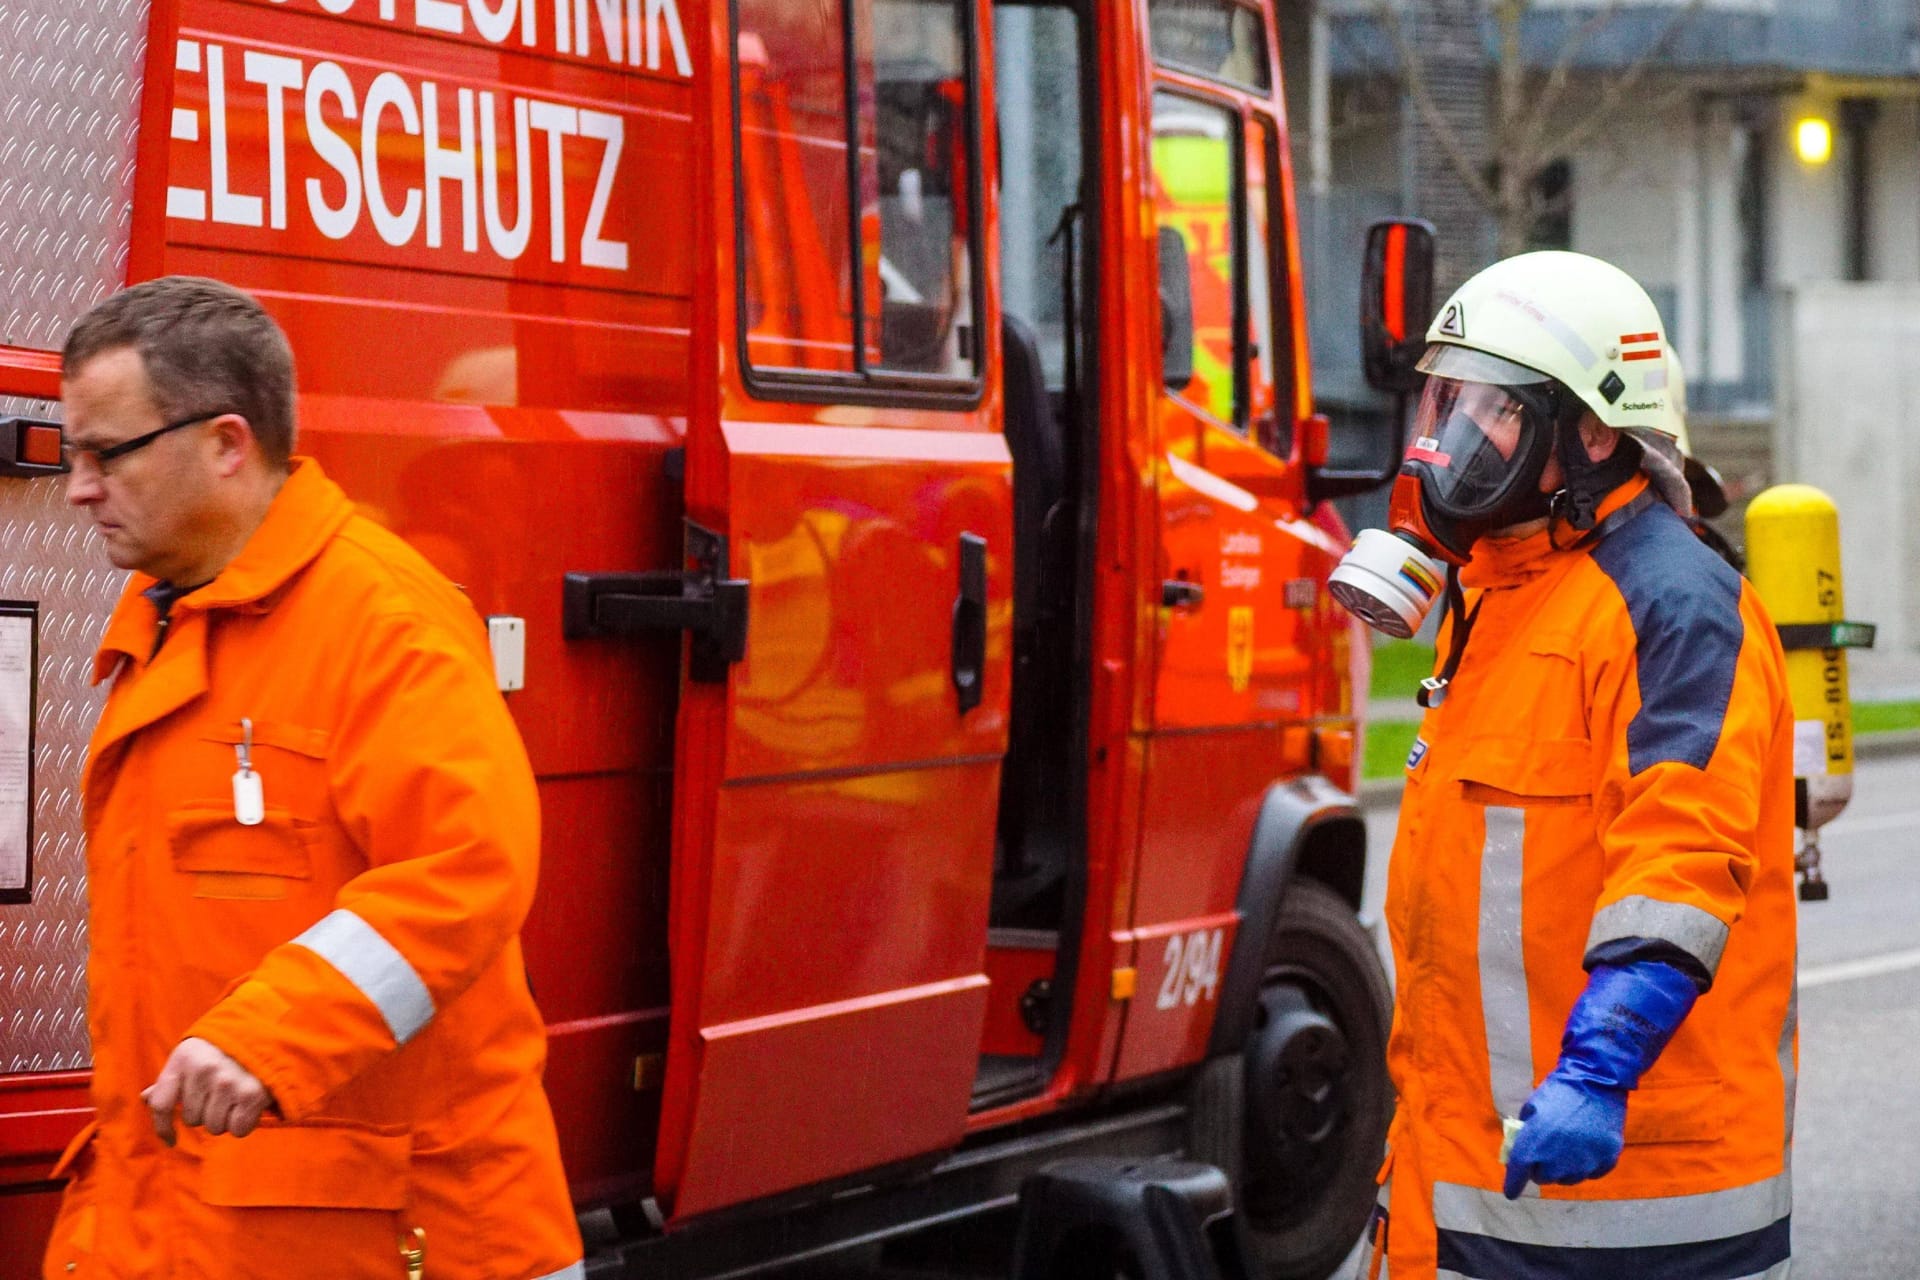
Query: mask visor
{"type": "Point", "coordinates": [1472, 442]}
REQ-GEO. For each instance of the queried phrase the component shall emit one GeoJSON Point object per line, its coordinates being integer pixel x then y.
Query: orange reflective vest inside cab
{"type": "Point", "coordinates": [1613, 761]}
{"type": "Point", "coordinates": [398, 849]}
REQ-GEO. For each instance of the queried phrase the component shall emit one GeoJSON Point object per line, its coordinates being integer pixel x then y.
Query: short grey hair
{"type": "Point", "coordinates": [207, 347]}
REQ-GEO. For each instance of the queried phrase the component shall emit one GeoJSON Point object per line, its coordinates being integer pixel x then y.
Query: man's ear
{"type": "Point", "coordinates": [1601, 440]}
{"type": "Point", "coordinates": [234, 443]}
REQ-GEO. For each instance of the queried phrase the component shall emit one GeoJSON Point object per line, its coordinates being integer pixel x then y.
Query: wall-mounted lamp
{"type": "Point", "coordinates": [1813, 141]}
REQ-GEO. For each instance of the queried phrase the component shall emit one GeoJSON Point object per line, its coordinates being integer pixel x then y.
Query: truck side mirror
{"type": "Point", "coordinates": [1396, 302]}
{"type": "Point", "coordinates": [1176, 311]}
{"type": "Point", "coordinates": [1396, 306]}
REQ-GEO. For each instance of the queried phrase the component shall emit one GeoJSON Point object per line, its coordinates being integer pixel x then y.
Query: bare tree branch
{"type": "Point", "coordinates": [1614, 94]}
{"type": "Point", "coordinates": [1555, 84]}
{"type": "Point", "coordinates": [1413, 69]}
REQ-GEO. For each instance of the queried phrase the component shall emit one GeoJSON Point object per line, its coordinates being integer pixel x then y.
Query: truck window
{"type": "Point", "coordinates": [1220, 39]}
{"type": "Point", "coordinates": [793, 176]}
{"type": "Point", "coordinates": [1269, 411]}
{"type": "Point", "coordinates": [924, 292]}
{"type": "Point", "coordinates": [1194, 151]}
{"type": "Point", "coordinates": [856, 192]}
{"type": "Point", "coordinates": [1037, 105]}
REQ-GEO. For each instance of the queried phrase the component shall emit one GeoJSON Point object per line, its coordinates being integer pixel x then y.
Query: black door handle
{"type": "Point", "coordinates": [970, 622]}
{"type": "Point", "coordinates": [1176, 593]}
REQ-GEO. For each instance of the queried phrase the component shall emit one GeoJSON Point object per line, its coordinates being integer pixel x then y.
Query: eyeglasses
{"type": "Point", "coordinates": [71, 453]}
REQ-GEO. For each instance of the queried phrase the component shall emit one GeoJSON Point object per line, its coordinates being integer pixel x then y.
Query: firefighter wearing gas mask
{"type": "Point", "coordinates": [1591, 894]}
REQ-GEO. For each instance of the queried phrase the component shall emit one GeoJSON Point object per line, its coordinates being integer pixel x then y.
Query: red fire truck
{"type": "Point", "coordinates": [879, 435]}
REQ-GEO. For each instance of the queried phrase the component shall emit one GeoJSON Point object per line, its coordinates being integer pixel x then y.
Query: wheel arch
{"type": "Point", "coordinates": [1306, 827]}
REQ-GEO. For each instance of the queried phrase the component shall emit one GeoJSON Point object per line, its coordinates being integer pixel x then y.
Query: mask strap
{"type": "Point", "coordinates": [1433, 690]}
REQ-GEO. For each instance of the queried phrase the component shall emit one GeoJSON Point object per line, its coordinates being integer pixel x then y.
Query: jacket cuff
{"type": "Point", "coordinates": [1687, 928]}
{"type": "Point", "coordinates": [240, 1026]}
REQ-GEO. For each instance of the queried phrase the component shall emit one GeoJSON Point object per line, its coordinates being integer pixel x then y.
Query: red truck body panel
{"type": "Point", "coordinates": [534, 260]}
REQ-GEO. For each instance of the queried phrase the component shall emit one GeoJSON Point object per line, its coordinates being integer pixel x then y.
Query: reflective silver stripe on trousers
{"type": "Point", "coordinates": [1789, 1028]}
{"type": "Point", "coordinates": [1700, 934]}
{"type": "Point", "coordinates": [1778, 1271]}
{"type": "Point", "coordinates": [1614, 1224]}
{"type": "Point", "coordinates": [572, 1271]}
{"type": "Point", "coordinates": [1503, 964]}
{"type": "Point", "coordinates": [376, 967]}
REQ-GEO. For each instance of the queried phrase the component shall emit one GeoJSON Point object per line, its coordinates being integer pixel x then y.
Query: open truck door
{"type": "Point", "coordinates": [842, 719]}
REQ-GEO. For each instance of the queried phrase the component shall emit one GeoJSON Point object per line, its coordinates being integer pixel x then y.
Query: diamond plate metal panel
{"type": "Point", "coordinates": [70, 74]}
{"type": "Point", "coordinates": [50, 554]}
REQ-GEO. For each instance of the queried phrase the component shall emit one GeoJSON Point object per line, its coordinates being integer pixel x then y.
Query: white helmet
{"type": "Point", "coordinates": [1582, 322]}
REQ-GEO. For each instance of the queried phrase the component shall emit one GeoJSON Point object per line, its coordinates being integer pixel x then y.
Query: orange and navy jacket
{"type": "Point", "coordinates": [357, 949]}
{"type": "Point", "coordinates": [1608, 778]}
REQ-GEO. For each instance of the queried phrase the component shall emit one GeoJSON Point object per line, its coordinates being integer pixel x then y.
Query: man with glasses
{"type": "Point", "coordinates": [312, 839]}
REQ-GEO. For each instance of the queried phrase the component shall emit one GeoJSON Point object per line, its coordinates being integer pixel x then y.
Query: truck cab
{"type": "Point", "coordinates": [880, 433]}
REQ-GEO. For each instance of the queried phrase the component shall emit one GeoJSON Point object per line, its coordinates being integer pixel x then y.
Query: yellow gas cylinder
{"type": "Point", "coordinates": [1793, 560]}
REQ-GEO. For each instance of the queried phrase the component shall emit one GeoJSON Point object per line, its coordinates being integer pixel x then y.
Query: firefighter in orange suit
{"type": "Point", "coordinates": [312, 837]}
{"type": "Point", "coordinates": [1591, 893]}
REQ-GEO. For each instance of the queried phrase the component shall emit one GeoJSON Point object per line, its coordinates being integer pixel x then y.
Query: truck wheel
{"type": "Point", "coordinates": [1299, 1118]}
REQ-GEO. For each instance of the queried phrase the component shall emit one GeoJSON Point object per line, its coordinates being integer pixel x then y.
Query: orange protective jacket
{"type": "Point", "coordinates": [357, 950]}
{"type": "Point", "coordinates": [1608, 777]}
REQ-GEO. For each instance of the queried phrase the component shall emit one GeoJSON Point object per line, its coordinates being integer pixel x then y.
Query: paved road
{"type": "Point", "coordinates": [1857, 1139]}
{"type": "Point", "coordinates": [1857, 1145]}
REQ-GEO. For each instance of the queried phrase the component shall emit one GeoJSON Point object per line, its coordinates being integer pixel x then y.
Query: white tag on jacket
{"type": "Point", "coordinates": [249, 806]}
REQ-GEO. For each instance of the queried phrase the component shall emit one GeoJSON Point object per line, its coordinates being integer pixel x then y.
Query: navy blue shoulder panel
{"type": "Point", "coordinates": [1684, 602]}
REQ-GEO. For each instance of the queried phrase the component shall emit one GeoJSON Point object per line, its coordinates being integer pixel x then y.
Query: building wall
{"type": "Point", "coordinates": [1809, 213]}
{"type": "Point", "coordinates": [1849, 423]}
{"type": "Point", "coordinates": [1657, 197]}
{"type": "Point", "coordinates": [1894, 251]}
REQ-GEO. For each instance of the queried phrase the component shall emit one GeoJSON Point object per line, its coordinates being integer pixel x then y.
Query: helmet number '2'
{"type": "Point", "coordinates": [1193, 968]}
{"type": "Point", "coordinates": [1453, 322]}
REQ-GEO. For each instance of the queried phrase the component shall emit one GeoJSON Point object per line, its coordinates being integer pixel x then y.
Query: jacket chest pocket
{"type": "Point", "coordinates": [228, 860]}
{"type": "Point", "coordinates": [1527, 772]}
{"type": "Point", "coordinates": [264, 860]}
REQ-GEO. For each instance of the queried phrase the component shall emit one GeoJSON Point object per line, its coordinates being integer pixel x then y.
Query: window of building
{"type": "Point", "coordinates": [857, 192]}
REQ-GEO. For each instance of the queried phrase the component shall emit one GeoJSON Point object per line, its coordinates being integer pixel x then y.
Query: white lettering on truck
{"type": "Point", "coordinates": [631, 32]}
{"type": "Point", "coordinates": [404, 202]}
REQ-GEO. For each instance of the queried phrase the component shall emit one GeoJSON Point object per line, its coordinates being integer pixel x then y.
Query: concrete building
{"type": "Point", "coordinates": [1761, 176]}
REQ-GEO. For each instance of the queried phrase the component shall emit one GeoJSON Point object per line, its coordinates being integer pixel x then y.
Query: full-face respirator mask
{"type": "Point", "coordinates": [1481, 437]}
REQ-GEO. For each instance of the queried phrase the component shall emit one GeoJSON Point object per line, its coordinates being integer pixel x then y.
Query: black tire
{"type": "Point", "coordinates": [1304, 1154]}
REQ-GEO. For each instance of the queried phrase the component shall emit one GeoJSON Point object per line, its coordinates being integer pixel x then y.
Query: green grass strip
{"type": "Point", "coordinates": [1399, 666]}
{"type": "Point", "coordinates": [1885, 717]}
{"type": "Point", "coordinates": [1388, 741]}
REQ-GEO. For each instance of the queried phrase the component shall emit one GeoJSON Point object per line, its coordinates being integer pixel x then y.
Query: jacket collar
{"type": "Point", "coordinates": [303, 517]}
{"type": "Point", "coordinates": [1509, 562]}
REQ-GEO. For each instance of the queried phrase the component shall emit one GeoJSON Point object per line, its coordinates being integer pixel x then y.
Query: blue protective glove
{"type": "Point", "coordinates": [1575, 1122]}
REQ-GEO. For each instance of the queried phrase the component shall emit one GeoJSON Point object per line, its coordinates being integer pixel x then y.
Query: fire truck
{"type": "Point", "coordinates": [879, 436]}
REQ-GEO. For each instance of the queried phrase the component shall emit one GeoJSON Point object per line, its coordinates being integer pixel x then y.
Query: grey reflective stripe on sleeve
{"type": "Point", "coordinates": [1503, 963]}
{"type": "Point", "coordinates": [1613, 1224]}
{"type": "Point", "coordinates": [376, 967]}
{"type": "Point", "coordinates": [572, 1271]}
{"type": "Point", "coordinates": [1700, 934]}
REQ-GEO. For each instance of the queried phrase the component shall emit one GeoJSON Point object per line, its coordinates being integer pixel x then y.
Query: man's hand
{"type": "Point", "coordinates": [210, 1089]}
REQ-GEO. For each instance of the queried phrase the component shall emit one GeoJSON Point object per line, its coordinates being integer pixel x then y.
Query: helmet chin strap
{"type": "Point", "coordinates": [1586, 482]}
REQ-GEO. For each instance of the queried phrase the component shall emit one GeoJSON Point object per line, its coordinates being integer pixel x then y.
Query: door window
{"type": "Point", "coordinates": [857, 192]}
{"type": "Point", "coordinates": [1216, 186]}
{"type": "Point", "coordinates": [794, 194]}
{"type": "Point", "coordinates": [1194, 148]}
